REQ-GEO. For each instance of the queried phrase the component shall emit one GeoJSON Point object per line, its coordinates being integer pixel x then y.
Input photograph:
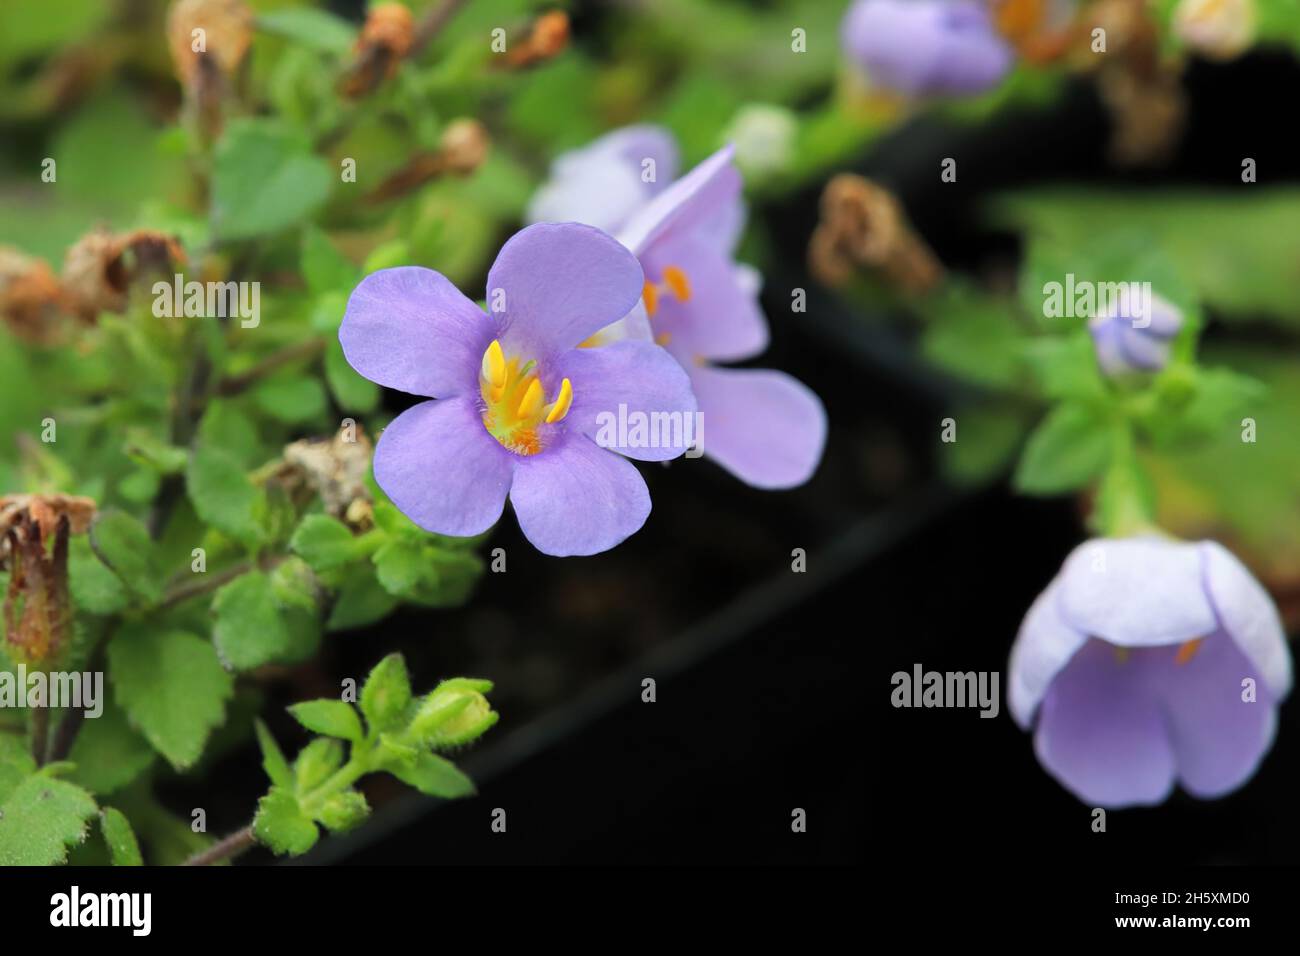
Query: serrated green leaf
{"type": "Point", "coordinates": [222, 494]}
{"type": "Point", "coordinates": [122, 845]}
{"type": "Point", "coordinates": [361, 601]}
{"type": "Point", "coordinates": [265, 179]}
{"type": "Point", "coordinates": [433, 775]}
{"type": "Point", "coordinates": [323, 266]}
{"type": "Point", "coordinates": [95, 588]}
{"type": "Point", "coordinates": [107, 753]}
{"type": "Point", "coordinates": [1069, 448]}
{"type": "Point", "coordinates": [282, 826]}
{"type": "Point", "coordinates": [292, 399]}
{"type": "Point", "coordinates": [386, 694]}
{"type": "Point", "coordinates": [172, 687]}
{"type": "Point", "coordinates": [123, 543]}
{"type": "Point", "coordinates": [333, 718]}
{"type": "Point", "coordinates": [40, 819]}
{"type": "Point", "coordinates": [254, 627]}
{"type": "Point", "coordinates": [273, 762]}
{"type": "Point", "coordinates": [324, 542]}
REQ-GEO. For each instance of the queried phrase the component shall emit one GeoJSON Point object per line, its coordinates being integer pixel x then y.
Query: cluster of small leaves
{"type": "Point", "coordinates": [394, 732]}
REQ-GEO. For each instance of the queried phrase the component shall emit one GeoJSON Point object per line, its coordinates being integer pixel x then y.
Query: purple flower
{"type": "Point", "coordinates": [606, 181]}
{"type": "Point", "coordinates": [920, 47]}
{"type": "Point", "coordinates": [517, 400]}
{"type": "Point", "coordinates": [1133, 334]}
{"type": "Point", "coordinates": [1135, 663]}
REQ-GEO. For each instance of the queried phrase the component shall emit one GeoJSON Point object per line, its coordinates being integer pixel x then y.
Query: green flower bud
{"type": "Point", "coordinates": [455, 712]}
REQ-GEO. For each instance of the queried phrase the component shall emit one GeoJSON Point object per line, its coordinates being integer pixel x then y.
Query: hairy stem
{"type": "Point", "coordinates": [300, 351]}
{"type": "Point", "coordinates": [224, 849]}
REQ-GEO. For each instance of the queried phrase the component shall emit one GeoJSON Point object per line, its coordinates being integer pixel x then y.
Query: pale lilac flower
{"type": "Point", "coordinates": [517, 400]}
{"type": "Point", "coordinates": [1147, 662]}
{"type": "Point", "coordinates": [1127, 339]}
{"type": "Point", "coordinates": [605, 182]}
{"type": "Point", "coordinates": [925, 47]}
{"type": "Point", "coordinates": [765, 427]}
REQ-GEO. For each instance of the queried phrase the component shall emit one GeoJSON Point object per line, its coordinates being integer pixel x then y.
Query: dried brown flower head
{"type": "Point", "coordinates": [100, 268]}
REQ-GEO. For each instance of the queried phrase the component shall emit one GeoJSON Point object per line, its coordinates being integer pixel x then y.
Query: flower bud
{"type": "Point", "coordinates": [455, 712]}
{"type": "Point", "coordinates": [1134, 335]}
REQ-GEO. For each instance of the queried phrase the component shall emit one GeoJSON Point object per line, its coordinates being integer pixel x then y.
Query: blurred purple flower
{"type": "Point", "coordinates": [1135, 661]}
{"type": "Point", "coordinates": [921, 47]}
{"type": "Point", "coordinates": [517, 400]}
{"type": "Point", "coordinates": [1134, 337]}
{"type": "Point", "coordinates": [605, 182]}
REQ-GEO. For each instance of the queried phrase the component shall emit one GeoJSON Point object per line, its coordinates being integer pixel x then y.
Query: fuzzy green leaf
{"type": "Point", "coordinates": [273, 762]}
{"type": "Point", "coordinates": [123, 543]}
{"type": "Point", "coordinates": [222, 494]}
{"type": "Point", "coordinates": [265, 179]}
{"type": "Point", "coordinates": [172, 686]}
{"type": "Point", "coordinates": [40, 819]}
{"type": "Point", "coordinates": [1069, 448]}
{"type": "Point", "coordinates": [324, 542]}
{"type": "Point", "coordinates": [255, 627]}
{"type": "Point", "coordinates": [107, 753]}
{"type": "Point", "coordinates": [386, 694]}
{"type": "Point", "coordinates": [282, 826]}
{"type": "Point", "coordinates": [333, 718]}
{"type": "Point", "coordinates": [433, 775]}
{"type": "Point", "coordinates": [122, 845]}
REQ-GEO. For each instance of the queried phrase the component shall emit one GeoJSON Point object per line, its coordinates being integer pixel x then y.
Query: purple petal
{"type": "Point", "coordinates": [1045, 644]}
{"type": "Point", "coordinates": [702, 198]}
{"type": "Point", "coordinates": [1102, 735]}
{"type": "Point", "coordinates": [764, 427]}
{"type": "Point", "coordinates": [575, 498]}
{"type": "Point", "coordinates": [601, 184]}
{"type": "Point", "coordinates": [561, 284]}
{"type": "Point", "coordinates": [442, 469]}
{"type": "Point", "coordinates": [721, 321]}
{"type": "Point", "coordinates": [1136, 592]}
{"type": "Point", "coordinates": [641, 377]}
{"type": "Point", "coordinates": [1248, 615]}
{"type": "Point", "coordinates": [409, 328]}
{"type": "Point", "coordinates": [1218, 739]}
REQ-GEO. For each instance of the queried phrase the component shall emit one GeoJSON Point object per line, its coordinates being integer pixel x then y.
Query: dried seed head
{"type": "Point", "coordinates": [100, 268]}
{"type": "Point", "coordinates": [547, 38]}
{"type": "Point", "coordinates": [31, 299]}
{"type": "Point", "coordinates": [464, 145]}
{"type": "Point", "coordinates": [863, 226]}
{"type": "Point", "coordinates": [384, 41]}
{"type": "Point", "coordinates": [336, 469]}
{"type": "Point", "coordinates": [227, 33]}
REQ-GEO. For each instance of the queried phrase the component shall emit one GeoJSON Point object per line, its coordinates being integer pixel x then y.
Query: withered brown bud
{"type": "Point", "coordinates": [385, 40]}
{"type": "Point", "coordinates": [1148, 115]}
{"type": "Point", "coordinates": [100, 269]}
{"type": "Point", "coordinates": [336, 469]}
{"type": "Point", "coordinates": [463, 147]}
{"type": "Point", "coordinates": [863, 226]}
{"type": "Point", "coordinates": [31, 299]}
{"type": "Point", "coordinates": [227, 33]}
{"type": "Point", "coordinates": [34, 531]}
{"type": "Point", "coordinates": [547, 38]}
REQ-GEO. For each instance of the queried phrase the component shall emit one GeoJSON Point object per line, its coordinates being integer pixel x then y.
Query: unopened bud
{"type": "Point", "coordinates": [455, 712]}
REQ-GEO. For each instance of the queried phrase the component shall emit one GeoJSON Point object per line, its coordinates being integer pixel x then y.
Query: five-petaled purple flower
{"type": "Point", "coordinates": [1134, 336]}
{"type": "Point", "coordinates": [765, 427]}
{"type": "Point", "coordinates": [925, 47]}
{"type": "Point", "coordinates": [1146, 661]}
{"type": "Point", "coordinates": [517, 400]}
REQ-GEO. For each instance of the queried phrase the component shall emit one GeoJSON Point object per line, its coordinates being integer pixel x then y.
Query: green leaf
{"type": "Point", "coordinates": [333, 718]}
{"type": "Point", "coordinates": [255, 627]}
{"type": "Point", "coordinates": [343, 811]}
{"type": "Point", "coordinates": [119, 836]}
{"type": "Point", "coordinates": [352, 392]}
{"type": "Point", "coordinates": [40, 819]}
{"type": "Point", "coordinates": [172, 687]}
{"type": "Point", "coordinates": [222, 494]}
{"type": "Point", "coordinates": [323, 266]}
{"type": "Point", "coordinates": [324, 542]}
{"type": "Point", "coordinates": [316, 762]}
{"type": "Point", "coordinates": [273, 762]}
{"type": "Point", "coordinates": [433, 775]}
{"type": "Point", "coordinates": [123, 543]}
{"type": "Point", "coordinates": [361, 601]}
{"type": "Point", "coordinates": [316, 29]}
{"type": "Point", "coordinates": [227, 427]}
{"type": "Point", "coordinates": [1069, 448]}
{"type": "Point", "coordinates": [974, 337]}
{"type": "Point", "coordinates": [386, 694]}
{"type": "Point", "coordinates": [282, 826]}
{"type": "Point", "coordinates": [16, 762]}
{"type": "Point", "coordinates": [292, 399]}
{"type": "Point", "coordinates": [265, 179]}
{"type": "Point", "coordinates": [107, 753]}
{"type": "Point", "coordinates": [95, 588]}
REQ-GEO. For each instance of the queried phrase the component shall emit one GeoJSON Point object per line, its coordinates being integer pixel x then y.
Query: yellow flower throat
{"type": "Point", "coordinates": [515, 403]}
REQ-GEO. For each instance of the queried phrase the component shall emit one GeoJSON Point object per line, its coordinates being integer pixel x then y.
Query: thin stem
{"type": "Point", "coordinates": [224, 849]}
{"type": "Point", "coordinates": [234, 384]}
{"type": "Point", "coordinates": [66, 734]}
{"type": "Point", "coordinates": [431, 24]}
{"type": "Point", "coordinates": [210, 582]}
{"type": "Point", "coordinates": [40, 732]}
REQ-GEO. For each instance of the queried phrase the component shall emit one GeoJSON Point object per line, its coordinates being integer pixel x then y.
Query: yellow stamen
{"type": "Point", "coordinates": [677, 281]}
{"type": "Point", "coordinates": [531, 403]}
{"type": "Point", "coordinates": [560, 407]}
{"type": "Point", "coordinates": [1187, 651]}
{"type": "Point", "coordinates": [663, 338]}
{"type": "Point", "coordinates": [494, 365]}
{"type": "Point", "coordinates": [651, 295]}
